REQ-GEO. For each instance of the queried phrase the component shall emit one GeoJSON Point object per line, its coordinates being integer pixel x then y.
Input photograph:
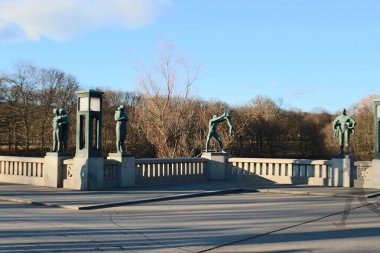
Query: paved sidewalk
{"type": "Point", "coordinates": [82, 200]}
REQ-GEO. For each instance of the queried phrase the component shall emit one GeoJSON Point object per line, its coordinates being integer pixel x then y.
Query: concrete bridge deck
{"type": "Point", "coordinates": [82, 200]}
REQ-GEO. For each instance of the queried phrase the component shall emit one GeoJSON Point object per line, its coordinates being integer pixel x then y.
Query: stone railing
{"type": "Point", "coordinates": [169, 170]}
{"type": "Point", "coordinates": [124, 171]}
{"type": "Point", "coordinates": [22, 170]}
{"type": "Point", "coordinates": [284, 171]}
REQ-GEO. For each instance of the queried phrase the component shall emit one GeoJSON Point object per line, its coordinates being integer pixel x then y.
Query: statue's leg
{"type": "Point", "coordinates": [59, 137]}
{"type": "Point", "coordinates": [117, 139]}
{"type": "Point", "coordinates": [122, 141]}
{"type": "Point", "coordinates": [208, 141]}
{"type": "Point", "coordinates": [64, 143]}
{"type": "Point", "coordinates": [347, 141]}
{"type": "Point", "coordinates": [341, 136]}
{"type": "Point", "coordinates": [54, 148]}
{"type": "Point", "coordinates": [65, 137]}
{"type": "Point", "coordinates": [216, 135]}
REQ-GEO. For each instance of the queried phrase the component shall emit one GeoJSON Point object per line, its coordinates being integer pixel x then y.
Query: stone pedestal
{"type": "Point", "coordinates": [53, 168]}
{"type": "Point", "coordinates": [375, 177]}
{"type": "Point", "coordinates": [127, 170]}
{"type": "Point", "coordinates": [216, 167]}
{"type": "Point", "coordinates": [87, 174]}
{"type": "Point", "coordinates": [364, 171]}
{"type": "Point", "coordinates": [341, 171]}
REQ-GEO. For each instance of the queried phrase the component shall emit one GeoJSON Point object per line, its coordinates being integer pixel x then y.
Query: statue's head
{"type": "Point", "coordinates": [344, 111]}
{"type": "Point", "coordinates": [62, 111]}
{"type": "Point", "coordinates": [120, 108]}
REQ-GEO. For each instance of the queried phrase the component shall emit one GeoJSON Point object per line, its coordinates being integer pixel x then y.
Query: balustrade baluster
{"type": "Point", "coordinates": [324, 171]}
{"type": "Point", "coordinates": [276, 169]}
{"type": "Point", "coordinates": [317, 170]}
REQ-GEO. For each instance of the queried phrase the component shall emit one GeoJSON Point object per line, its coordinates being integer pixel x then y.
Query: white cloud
{"type": "Point", "coordinates": [63, 19]}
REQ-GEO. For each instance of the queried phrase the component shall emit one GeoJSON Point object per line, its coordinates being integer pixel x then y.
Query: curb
{"type": "Point", "coordinates": [37, 203]}
{"type": "Point", "coordinates": [319, 194]}
{"type": "Point", "coordinates": [174, 197]}
{"type": "Point", "coordinates": [124, 203]}
{"type": "Point", "coordinates": [373, 195]}
{"type": "Point", "coordinates": [184, 196]}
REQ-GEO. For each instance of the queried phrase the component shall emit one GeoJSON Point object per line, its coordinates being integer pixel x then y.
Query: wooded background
{"type": "Point", "coordinates": [167, 120]}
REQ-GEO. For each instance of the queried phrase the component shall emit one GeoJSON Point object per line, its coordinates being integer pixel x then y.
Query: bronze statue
{"type": "Point", "coordinates": [56, 131]}
{"type": "Point", "coordinates": [343, 127]}
{"type": "Point", "coordinates": [60, 130]}
{"type": "Point", "coordinates": [214, 122]}
{"type": "Point", "coordinates": [121, 119]}
{"type": "Point", "coordinates": [64, 130]}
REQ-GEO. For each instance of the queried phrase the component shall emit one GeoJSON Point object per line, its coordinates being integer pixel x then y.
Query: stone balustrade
{"type": "Point", "coordinates": [284, 171]}
{"type": "Point", "coordinates": [120, 170]}
{"type": "Point", "coordinates": [147, 171]}
{"type": "Point", "coordinates": [169, 170]}
{"type": "Point", "coordinates": [22, 170]}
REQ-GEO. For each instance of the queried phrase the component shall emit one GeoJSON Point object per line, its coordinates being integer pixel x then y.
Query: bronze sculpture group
{"type": "Point", "coordinates": [213, 124]}
{"type": "Point", "coordinates": [60, 130]}
{"type": "Point", "coordinates": [343, 127]}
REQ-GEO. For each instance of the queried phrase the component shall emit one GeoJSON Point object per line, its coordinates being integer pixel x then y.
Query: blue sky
{"type": "Point", "coordinates": [308, 53]}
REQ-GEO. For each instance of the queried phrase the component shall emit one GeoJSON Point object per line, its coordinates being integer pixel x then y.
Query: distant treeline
{"type": "Point", "coordinates": [166, 121]}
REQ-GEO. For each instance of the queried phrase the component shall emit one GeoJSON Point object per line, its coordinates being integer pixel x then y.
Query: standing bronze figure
{"type": "Point", "coordinates": [56, 131]}
{"type": "Point", "coordinates": [121, 119]}
{"type": "Point", "coordinates": [64, 130]}
{"type": "Point", "coordinates": [343, 127]}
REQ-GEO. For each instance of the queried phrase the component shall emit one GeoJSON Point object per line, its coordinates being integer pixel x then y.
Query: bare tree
{"type": "Point", "coordinates": [362, 143]}
{"type": "Point", "coordinates": [167, 112]}
{"type": "Point", "coordinates": [20, 99]}
{"type": "Point", "coordinates": [28, 95]}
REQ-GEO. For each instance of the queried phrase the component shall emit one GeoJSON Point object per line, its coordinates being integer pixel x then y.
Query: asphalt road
{"type": "Point", "coordinates": [248, 222]}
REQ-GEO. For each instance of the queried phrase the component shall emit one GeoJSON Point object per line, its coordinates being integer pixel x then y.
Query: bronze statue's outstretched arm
{"type": "Point", "coordinates": [230, 124]}
{"type": "Point", "coordinates": [219, 119]}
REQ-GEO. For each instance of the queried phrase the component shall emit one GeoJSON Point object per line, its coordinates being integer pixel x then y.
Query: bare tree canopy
{"type": "Point", "coordinates": [28, 95]}
{"type": "Point", "coordinates": [167, 114]}
{"type": "Point", "coordinates": [167, 120]}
